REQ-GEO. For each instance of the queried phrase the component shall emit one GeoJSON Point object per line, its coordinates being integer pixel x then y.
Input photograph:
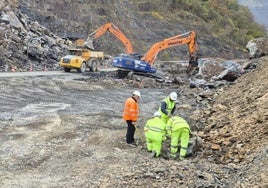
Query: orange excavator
{"type": "Point", "coordinates": [143, 64]}
{"type": "Point", "coordinates": [110, 27]}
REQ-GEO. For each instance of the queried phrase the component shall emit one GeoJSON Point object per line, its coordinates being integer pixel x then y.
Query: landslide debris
{"type": "Point", "coordinates": [26, 45]}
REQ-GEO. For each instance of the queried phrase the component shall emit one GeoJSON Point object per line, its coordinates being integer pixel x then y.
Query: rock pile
{"type": "Point", "coordinates": [26, 45]}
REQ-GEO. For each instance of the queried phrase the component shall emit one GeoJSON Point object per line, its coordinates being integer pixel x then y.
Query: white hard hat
{"type": "Point", "coordinates": [157, 114]}
{"type": "Point", "coordinates": [137, 93]}
{"type": "Point", "coordinates": [173, 96]}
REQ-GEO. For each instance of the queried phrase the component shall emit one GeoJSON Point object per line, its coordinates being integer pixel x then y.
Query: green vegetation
{"type": "Point", "coordinates": [230, 20]}
{"type": "Point", "coordinates": [223, 27]}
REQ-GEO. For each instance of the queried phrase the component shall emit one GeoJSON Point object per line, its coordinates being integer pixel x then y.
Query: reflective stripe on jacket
{"type": "Point", "coordinates": [175, 123]}
{"type": "Point", "coordinates": [170, 105]}
{"type": "Point", "coordinates": [131, 109]}
{"type": "Point", "coordinates": [155, 125]}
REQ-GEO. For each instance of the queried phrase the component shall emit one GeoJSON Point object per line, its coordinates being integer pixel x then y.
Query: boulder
{"type": "Point", "coordinates": [257, 47]}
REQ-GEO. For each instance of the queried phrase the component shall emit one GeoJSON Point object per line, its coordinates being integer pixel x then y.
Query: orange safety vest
{"type": "Point", "coordinates": [131, 110]}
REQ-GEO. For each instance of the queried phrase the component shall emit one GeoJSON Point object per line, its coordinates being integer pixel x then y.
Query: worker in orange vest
{"type": "Point", "coordinates": [130, 115]}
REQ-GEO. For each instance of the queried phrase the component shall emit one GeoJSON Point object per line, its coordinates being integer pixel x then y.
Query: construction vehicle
{"type": "Point", "coordinates": [85, 57]}
{"type": "Point", "coordinates": [110, 27]}
{"type": "Point", "coordinates": [81, 59]}
{"type": "Point", "coordinates": [137, 63]}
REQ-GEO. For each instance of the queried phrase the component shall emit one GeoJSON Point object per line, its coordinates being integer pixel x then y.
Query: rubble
{"type": "Point", "coordinates": [26, 43]}
{"type": "Point", "coordinates": [257, 47]}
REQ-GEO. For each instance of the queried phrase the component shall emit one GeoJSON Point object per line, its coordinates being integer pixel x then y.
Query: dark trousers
{"type": "Point", "coordinates": [130, 132]}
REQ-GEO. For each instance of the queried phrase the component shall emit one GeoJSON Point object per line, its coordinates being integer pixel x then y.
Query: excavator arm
{"type": "Point", "coordinates": [186, 38]}
{"type": "Point", "coordinates": [115, 31]}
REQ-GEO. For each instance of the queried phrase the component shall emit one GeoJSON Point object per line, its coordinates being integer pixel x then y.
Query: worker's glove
{"type": "Point", "coordinates": [168, 136]}
{"type": "Point", "coordinates": [164, 138]}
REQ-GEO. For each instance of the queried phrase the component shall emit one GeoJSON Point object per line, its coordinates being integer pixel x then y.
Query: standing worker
{"type": "Point", "coordinates": [130, 115]}
{"type": "Point", "coordinates": [179, 131]}
{"type": "Point", "coordinates": [155, 133]}
{"type": "Point", "coordinates": [168, 106]}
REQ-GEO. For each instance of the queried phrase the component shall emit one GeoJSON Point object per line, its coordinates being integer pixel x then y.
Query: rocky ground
{"type": "Point", "coordinates": [67, 131]}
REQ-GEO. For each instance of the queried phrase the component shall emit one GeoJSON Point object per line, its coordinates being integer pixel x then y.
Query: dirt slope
{"type": "Point", "coordinates": [237, 121]}
{"type": "Point", "coordinates": [237, 128]}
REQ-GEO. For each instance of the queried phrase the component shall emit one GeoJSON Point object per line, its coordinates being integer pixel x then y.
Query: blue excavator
{"type": "Point", "coordinates": [143, 64]}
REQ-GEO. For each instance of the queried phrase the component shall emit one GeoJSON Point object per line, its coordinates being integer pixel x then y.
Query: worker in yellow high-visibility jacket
{"type": "Point", "coordinates": [155, 133]}
{"type": "Point", "coordinates": [168, 106]}
{"type": "Point", "coordinates": [179, 131]}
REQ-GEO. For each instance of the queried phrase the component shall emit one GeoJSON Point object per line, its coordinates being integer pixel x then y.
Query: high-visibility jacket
{"type": "Point", "coordinates": [170, 105]}
{"type": "Point", "coordinates": [175, 123]}
{"type": "Point", "coordinates": [179, 131]}
{"type": "Point", "coordinates": [155, 133]}
{"type": "Point", "coordinates": [155, 125]}
{"type": "Point", "coordinates": [131, 109]}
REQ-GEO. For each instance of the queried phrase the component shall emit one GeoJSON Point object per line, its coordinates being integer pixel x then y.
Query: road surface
{"type": "Point", "coordinates": [45, 73]}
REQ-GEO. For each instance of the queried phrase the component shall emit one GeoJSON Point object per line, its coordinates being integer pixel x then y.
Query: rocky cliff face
{"type": "Point", "coordinates": [144, 23]}
{"type": "Point", "coordinates": [25, 43]}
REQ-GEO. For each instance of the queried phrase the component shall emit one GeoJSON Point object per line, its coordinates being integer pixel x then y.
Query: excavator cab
{"type": "Point", "coordinates": [137, 56]}
{"type": "Point", "coordinates": [133, 63]}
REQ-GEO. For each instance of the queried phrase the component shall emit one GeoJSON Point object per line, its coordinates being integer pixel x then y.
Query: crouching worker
{"type": "Point", "coordinates": [155, 133]}
{"type": "Point", "coordinates": [179, 131]}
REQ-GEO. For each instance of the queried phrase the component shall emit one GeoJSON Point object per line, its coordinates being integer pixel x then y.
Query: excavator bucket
{"type": "Point", "coordinates": [86, 44]}
{"type": "Point", "coordinates": [89, 44]}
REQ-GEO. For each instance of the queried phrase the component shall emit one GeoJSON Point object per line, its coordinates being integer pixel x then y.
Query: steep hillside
{"type": "Point", "coordinates": [35, 33]}
{"type": "Point", "coordinates": [237, 121]}
{"type": "Point", "coordinates": [147, 22]}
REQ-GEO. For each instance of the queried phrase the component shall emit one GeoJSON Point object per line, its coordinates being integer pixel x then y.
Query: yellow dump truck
{"type": "Point", "coordinates": [81, 59]}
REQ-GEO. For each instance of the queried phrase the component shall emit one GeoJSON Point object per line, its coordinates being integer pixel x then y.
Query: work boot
{"type": "Point", "coordinates": [181, 158]}
{"type": "Point", "coordinates": [132, 144]}
{"type": "Point", "coordinates": [173, 156]}
{"type": "Point", "coordinates": [153, 154]}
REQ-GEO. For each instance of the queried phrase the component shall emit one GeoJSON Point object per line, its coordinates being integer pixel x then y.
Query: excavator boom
{"type": "Point", "coordinates": [186, 38]}
{"type": "Point", "coordinates": [115, 31]}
